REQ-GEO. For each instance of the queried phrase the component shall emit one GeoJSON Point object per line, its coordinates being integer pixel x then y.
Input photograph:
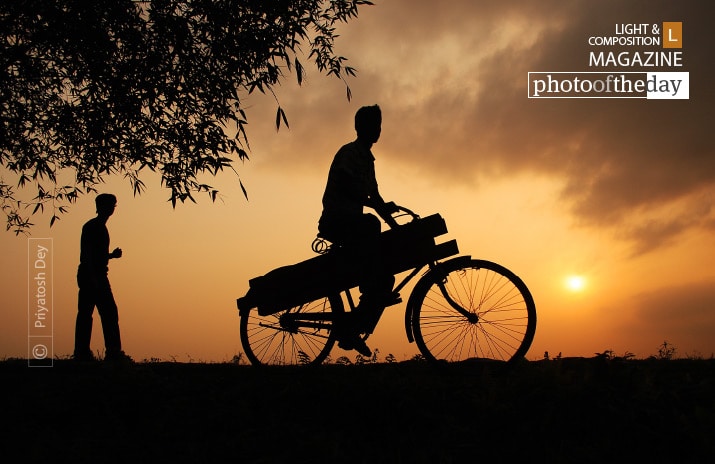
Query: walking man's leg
{"type": "Point", "coordinates": [109, 314]}
{"type": "Point", "coordinates": [83, 325]}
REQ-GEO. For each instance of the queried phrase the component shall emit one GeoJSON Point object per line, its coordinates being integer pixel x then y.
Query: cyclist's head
{"type": "Point", "coordinates": [368, 120]}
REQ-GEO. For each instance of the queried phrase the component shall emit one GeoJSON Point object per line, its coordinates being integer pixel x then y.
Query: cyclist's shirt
{"type": "Point", "coordinates": [351, 184]}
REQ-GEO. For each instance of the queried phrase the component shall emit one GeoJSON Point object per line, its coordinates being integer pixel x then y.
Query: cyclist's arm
{"type": "Point", "coordinates": [383, 208]}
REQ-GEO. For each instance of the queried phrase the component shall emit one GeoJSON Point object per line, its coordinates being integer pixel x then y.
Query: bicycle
{"type": "Point", "coordinates": [459, 309]}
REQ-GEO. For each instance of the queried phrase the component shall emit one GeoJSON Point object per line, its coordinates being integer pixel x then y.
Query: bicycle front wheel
{"type": "Point", "coordinates": [472, 309]}
{"type": "Point", "coordinates": [299, 335]}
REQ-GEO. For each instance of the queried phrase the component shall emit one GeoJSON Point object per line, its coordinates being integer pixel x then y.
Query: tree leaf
{"type": "Point", "coordinates": [281, 116]}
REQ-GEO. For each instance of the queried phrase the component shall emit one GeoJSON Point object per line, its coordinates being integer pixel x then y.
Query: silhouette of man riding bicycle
{"type": "Point", "coordinates": [459, 309]}
{"type": "Point", "coordinates": [351, 186]}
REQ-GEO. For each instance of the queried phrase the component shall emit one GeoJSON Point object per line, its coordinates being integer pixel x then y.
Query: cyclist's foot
{"type": "Point", "coordinates": [393, 299]}
{"type": "Point", "coordinates": [354, 342]}
{"type": "Point", "coordinates": [348, 331]}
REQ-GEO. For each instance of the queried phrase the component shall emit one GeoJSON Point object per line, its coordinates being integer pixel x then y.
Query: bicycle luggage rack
{"type": "Point", "coordinates": [409, 246]}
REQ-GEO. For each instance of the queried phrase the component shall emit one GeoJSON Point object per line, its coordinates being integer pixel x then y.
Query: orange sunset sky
{"type": "Point", "coordinates": [617, 192]}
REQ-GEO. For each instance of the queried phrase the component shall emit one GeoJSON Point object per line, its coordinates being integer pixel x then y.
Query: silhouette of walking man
{"type": "Point", "coordinates": [351, 186]}
{"type": "Point", "coordinates": [94, 288]}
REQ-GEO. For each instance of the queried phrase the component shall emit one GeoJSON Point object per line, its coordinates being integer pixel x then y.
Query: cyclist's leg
{"type": "Point", "coordinates": [375, 283]}
{"type": "Point", "coordinates": [359, 237]}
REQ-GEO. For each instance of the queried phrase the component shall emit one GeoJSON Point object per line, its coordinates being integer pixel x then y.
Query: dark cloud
{"type": "Point", "coordinates": [452, 80]}
{"type": "Point", "coordinates": [683, 314]}
{"type": "Point", "coordinates": [648, 235]}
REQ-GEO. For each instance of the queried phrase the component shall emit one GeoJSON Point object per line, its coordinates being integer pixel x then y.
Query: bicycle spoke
{"type": "Point", "coordinates": [505, 317]}
{"type": "Point", "coordinates": [286, 339]}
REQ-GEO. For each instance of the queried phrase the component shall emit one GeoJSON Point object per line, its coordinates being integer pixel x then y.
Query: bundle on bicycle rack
{"type": "Point", "coordinates": [405, 247]}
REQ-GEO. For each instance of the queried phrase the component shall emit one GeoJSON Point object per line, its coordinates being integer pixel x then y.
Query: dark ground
{"type": "Point", "coordinates": [552, 411]}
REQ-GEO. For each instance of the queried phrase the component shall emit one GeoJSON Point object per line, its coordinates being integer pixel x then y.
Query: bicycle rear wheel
{"type": "Point", "coordinates": [299, 335]}
{"type": "Point", "coordinates": [498, 317]}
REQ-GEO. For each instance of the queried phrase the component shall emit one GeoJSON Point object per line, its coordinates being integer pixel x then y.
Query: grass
{"type": "Point", "coordinates": [566, 410]}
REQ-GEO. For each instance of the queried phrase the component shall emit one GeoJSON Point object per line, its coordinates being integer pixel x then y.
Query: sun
{"type": "Point", "coordinates": [575, 283]}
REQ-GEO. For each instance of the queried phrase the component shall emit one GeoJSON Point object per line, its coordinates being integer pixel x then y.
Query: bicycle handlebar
{"type": "Point", "coordinates": [399, 211]}
{"type": "Point", "coordinates": [407, 211]}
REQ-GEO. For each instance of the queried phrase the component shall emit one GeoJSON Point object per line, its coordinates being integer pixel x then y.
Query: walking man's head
{"type": "Point", "coordinates": [368, 122]}
{"type": "Point", "coordinates": [106, 202]}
